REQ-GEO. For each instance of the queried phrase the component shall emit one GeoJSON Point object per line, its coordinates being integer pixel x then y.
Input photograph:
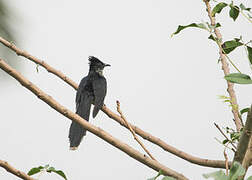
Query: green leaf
{"type": "Point", "coordinates": [212, 37]}
{"type": "Point", "coordinates": [229, 46]}
{"type": "Point", "coordinates": [37, 68]}
{"type": "Point", "coordinates": [159, 173]}
{"type": "Point", "coordinates": [50, 169]}
{"type": "Point", "coordinates": [217, 175]}
{"type": "Point", "coordinates": [217, 25]}
{"type": "Point", "coordinates": [244, 8]}
{"type": "Point", "coordinates": [61, 173]}
{"type": "Point", "coordinates": [235, 136]}
{"type": "Point", "coordinates": [234, 12]}
{"type": "Point", "coordinates": [249, 54]}
{"type": "Point", "coordinates": [35, 170]}
{"type": "Point", "coordinates": [244, 110]}
{"type": "Point", "coordinates": [238, 78]}
{"type": "Point", "coordinates": [200, 25]}
{"type": "Point", "coordinates": [236, 171]}
{"type": "Point", "coordinates": [168, 178]}
{"type": "Point", "coordinates": [218, 8]}
{"type": "Point", "coordinates": [224, 141]}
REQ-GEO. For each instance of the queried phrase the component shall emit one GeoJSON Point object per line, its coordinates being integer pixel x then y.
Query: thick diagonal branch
{"type": "Point", "coordinates": [225, 68]}
{"type": "Point", "coordinates": [15, 171]}
{"type": "Point", "coordinates": [244, 139]}
{"type": "Point", "coordinates": [93, 129]}
{"type": "Point", "coordinates": [114, 116]}
{"type": "Point", "coordinates": [165, 146]}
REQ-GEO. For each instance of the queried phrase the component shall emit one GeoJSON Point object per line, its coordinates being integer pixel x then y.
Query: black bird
{"type": "Point", "coordinates": [92, 90]}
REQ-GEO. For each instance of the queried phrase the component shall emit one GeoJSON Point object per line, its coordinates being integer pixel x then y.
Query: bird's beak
{"type": "Point", "coordinates": [107, 65]}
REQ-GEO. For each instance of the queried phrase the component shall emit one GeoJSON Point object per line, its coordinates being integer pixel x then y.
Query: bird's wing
{"type": "Point", "coordinates": [83, 100]}
{"type": "Point", "coordinates": [82, 84]}
{"type": "Point", "coordinates": [100, 90]}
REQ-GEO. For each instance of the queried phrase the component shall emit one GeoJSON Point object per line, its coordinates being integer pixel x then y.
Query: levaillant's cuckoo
{"type": "Point", "coordinates": [92, 90]}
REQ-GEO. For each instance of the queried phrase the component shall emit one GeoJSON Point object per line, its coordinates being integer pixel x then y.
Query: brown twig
{"type": "Point", "coordinates": [226, 161]}
{"type": "Point", "coordinates": [165, 146]}
{"type": "Point", "coordinates": [132, 131]}
{"type": "Point", "coordinates": [217, 126]}
{"type": "Point", "coordinates": [91, 128]}
{"type": "Point", "coordinates": [114, 116]}
{"type": "Point", "coordinates": [226, 70]}
{"type": "Point", "coordinates": [15, 171]}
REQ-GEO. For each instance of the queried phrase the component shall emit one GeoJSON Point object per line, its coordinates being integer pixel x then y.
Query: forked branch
{"type": "Point", "coordinates": [91, 128]}
{"type": "Point", "coordinates": [132, 131]}
{"type": "Point", "coordinates": [114, 116]}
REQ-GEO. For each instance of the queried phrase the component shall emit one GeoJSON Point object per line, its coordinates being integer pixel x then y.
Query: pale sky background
{"type": "Point", "coordinates": [166, 86]}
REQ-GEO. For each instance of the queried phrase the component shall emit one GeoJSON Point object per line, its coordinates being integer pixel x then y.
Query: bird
{"type": "Point", "coordinates": [92, 90]}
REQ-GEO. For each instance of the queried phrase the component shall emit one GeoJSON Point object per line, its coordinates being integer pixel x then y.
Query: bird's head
{"type": "Point", "coordinates": [96, 65]}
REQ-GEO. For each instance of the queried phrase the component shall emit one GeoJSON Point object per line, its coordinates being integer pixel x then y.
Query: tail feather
{"type": "Point", "coordinates": [76, 134]}
{"type": "Point", "coordinates": [76, 131]}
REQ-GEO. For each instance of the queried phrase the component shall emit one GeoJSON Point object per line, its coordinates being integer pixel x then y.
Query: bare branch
{"type": "Point", "coordinates": [226, 70]}
{"type": "Point", "coordinates": [165, 146]}
{"type": "Point", "coordinates": [114, 116]}
{"type": "Point", "coordinates": [132, 131]}
{"type": "Point", "coordinates": [50, 69]}
{"type": "Point", "coordinates": [93, 129]}
{"type": "Point", "coordinates": [15, 171]}
{"type": "Point", "coordinates": [217, 126]}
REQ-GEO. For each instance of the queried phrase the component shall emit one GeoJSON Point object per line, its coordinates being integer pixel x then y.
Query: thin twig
{"type": "Point", "coordinates": [217, 126]}
{"type": "Point", "coordinates": [159, 142]}
{"type": "Point", "coordinates": [15, 171]}
{"type": "Point", "coordinates": [132, 131]}
{"type": "Point", "coordinates": [225, 68]}
{"type": "Point", "coordinates": [232, 149]}
{"type": "Point", "coordinates": [85, 124]}
{"type": "Point", "coordinates": [226, 161]}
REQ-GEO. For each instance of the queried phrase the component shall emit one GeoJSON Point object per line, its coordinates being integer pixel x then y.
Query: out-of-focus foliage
{"type": "Point", "coordinates": [7, 24]}
{"type": "Point", "coordinates": [5, 30]}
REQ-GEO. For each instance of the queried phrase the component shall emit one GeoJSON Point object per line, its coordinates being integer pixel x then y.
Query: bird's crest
{"type": "Point", "coordinates": [94, 61]}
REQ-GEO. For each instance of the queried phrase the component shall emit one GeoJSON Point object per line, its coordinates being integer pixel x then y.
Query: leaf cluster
{"type": "Point", "coordinates": [236, 171]}
{"type": "Point", "coordinates": [234, 10]}
{"type": "Point", "coordinates": [47, 169]}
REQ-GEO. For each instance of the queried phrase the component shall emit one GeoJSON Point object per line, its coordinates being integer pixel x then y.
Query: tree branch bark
{"type": "Point", "coordinates": [225, 68]}
{"type": "Point", "coordinates": [112, 115]}
{"type": "Point", "coordinates": [132, 131]}
{"type": "Point", "coordinates": [165, 146]}
{"type": "Point", "coordinates": [15, 171]}
{"type": "Point", "coordinates": [93, 129]}
{"type": "Point", "coordinates": [244, 141]}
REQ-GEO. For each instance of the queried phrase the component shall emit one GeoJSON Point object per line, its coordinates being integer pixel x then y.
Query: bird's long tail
{"type": "Point", "coordinates": [76, 131]}
{"type": "Point", "coordinates": [76, 134]}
